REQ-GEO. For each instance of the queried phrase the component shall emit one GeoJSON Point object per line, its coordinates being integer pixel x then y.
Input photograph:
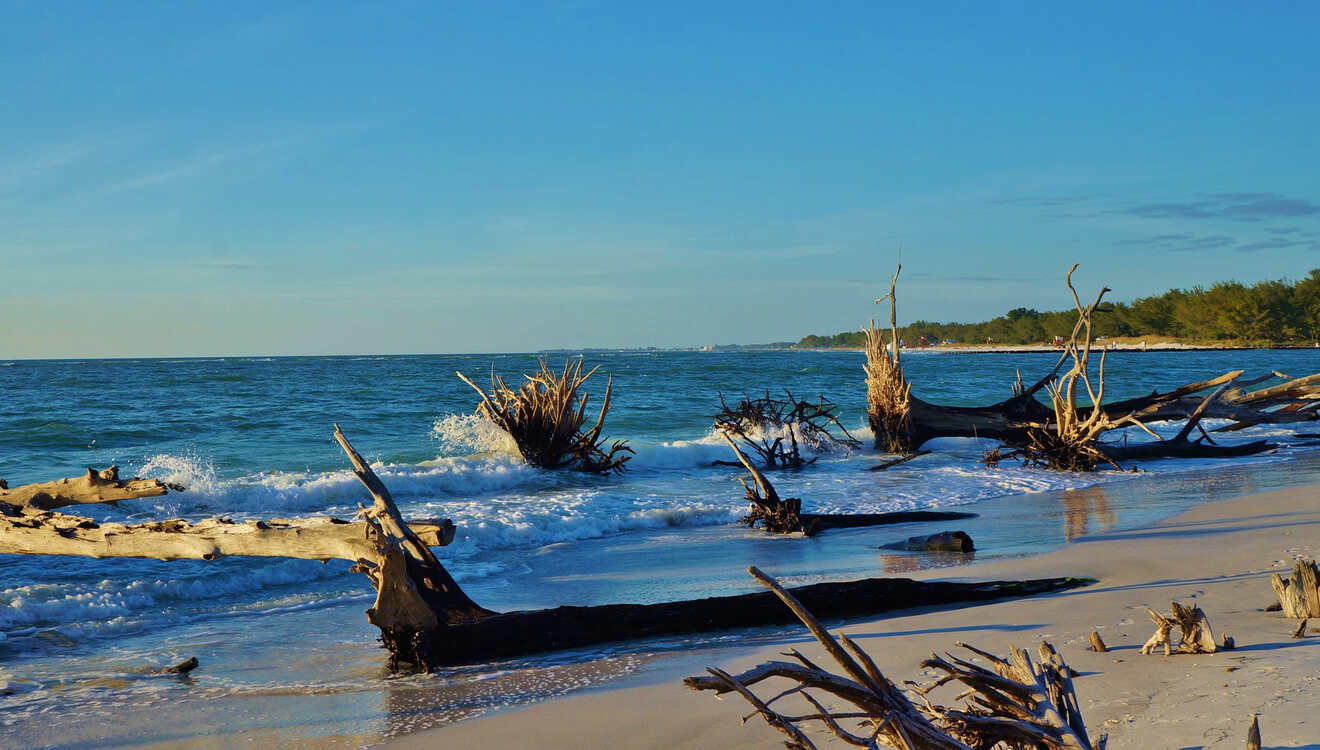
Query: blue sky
{"type": "Point", "coordinates": [269, 178]}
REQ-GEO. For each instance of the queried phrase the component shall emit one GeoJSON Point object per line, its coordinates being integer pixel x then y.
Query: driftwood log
{"type": "Point", "coordinates": [945, 541]}
{"type": "Point", "coordinates": [1299, 595]}
{"type": "Point", "coordinates": [103, 486]}
{"type": "Point", "coordinates": [29, 531]}
{"type": "Point", "coordinates": [1015, 704]}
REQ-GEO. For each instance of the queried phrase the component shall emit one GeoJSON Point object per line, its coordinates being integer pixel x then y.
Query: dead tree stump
{"type": "Point", "coordinates": [1195, 634]}
{"type": "Point", "coordinates": [1299, 596]}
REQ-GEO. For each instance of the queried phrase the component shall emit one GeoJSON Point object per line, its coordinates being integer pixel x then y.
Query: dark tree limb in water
{"type": "Point", "coordinates": [889, 464]}
{"type": "Point", "coordinates": [785, 516]}
{"type": "Point", "coordinates": [763, 424]}
{"type": "Point", "coordinates": [546, 417]}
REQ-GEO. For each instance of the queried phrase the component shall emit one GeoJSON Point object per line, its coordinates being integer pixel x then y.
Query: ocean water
{"type": "Point", "coordinates": [287, 656]}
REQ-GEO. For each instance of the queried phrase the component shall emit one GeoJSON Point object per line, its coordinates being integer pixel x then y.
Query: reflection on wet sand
{"type": "Point", "coordinates": [417, 702]}
{"type": "Point", "coordinates": [915, 561]}
{"type": "Point", "coordinates": [1080, 505]}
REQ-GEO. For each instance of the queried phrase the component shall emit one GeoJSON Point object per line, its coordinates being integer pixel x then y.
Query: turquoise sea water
{"type": "Point", "coordinates": [287, 654]}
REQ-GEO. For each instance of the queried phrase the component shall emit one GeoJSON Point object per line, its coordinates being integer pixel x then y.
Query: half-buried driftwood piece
{"type": "Point", "coordinates": [1195, 635]}
{"type": "Point", "coordinates": [945, 541]}
{"type": "Point", "coordinates": [1098, 644]}
{"type": "Point", "coordinates": [1299, 595]}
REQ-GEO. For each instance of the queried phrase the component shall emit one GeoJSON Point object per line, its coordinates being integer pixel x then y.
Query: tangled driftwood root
{"type": "Point", "coordinates": [763, 424]}
{"type": "Point", "coordinates": [546, 417]}
{"type": "Point", "coordinates": [1070, 440]}
{"type": "Point", "coordinates": [1014, 704]}
{"type": "Point", "coordinates": [1299, 595]}
{"type": "Point", "coordinates": [1195, 634]}
{"type": "Point", "coordinates": [888, 394]}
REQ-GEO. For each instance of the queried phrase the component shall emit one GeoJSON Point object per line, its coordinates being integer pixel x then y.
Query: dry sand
{"type": "Point", "coordinates": [1218, 555]}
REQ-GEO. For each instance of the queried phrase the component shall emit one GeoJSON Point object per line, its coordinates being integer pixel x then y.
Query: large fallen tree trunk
{"type": "Point", "coordinates": [519, 633]}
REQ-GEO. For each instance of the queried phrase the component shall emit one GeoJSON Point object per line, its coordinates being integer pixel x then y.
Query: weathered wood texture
{"type": "Point", "coordinates": [414, 592]}
{"type": "Point", "coordinates": [1299, 595]}
{"type": "Point", "coordinates": [29, 531]}
{"type": "Point", "coordinates": [888, 394]}
{"type": "Point", "coordinates": [1195, 634]}
{"type": "Point", "coordinates": [103, 486]}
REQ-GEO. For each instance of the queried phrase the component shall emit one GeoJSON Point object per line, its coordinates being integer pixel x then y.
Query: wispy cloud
{"type": "Point", "coordinates": [230, 265]}
{"type": "Point", "coordinates": [191, 167]}
{"type": "Point", "coordinates": [1231, 206]}
{"type": "Point", "coordinates": [1268, 245]}
{"type": "Point", "coordinates": [254, 152]}
{"type": "Point", "coordinates": [1047, 201]}
{"type": "Point", "coordinates": [1181, 242]}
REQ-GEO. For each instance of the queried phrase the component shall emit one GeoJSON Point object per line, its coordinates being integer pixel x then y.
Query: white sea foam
{"type": "Point", "coordinates": [467, 434]}
{"type": "Point", "coordinates": [124, 605]}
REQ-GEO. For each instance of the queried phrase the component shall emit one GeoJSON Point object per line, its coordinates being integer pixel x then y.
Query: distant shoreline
{"type": "Point", "coordinates": [1033, 348]}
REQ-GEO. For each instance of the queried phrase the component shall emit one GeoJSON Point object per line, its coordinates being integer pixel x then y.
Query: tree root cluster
{"type": "Point", "coordinates": [546, 417]}
{"type": "Point", "coordinates": [762, 424]}
{"type": "Point", "coordinates": [888, 394]}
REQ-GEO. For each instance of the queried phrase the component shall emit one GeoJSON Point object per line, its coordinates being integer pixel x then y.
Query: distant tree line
{"type": "Point", "coordinates": [1277, 312]}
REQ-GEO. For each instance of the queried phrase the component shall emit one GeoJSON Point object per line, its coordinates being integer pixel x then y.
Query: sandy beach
{"type": "Point", "coordinates": [1219, 555]}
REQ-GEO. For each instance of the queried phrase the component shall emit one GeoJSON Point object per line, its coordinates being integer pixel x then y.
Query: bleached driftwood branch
{"type": "Point", "coordinates": [30, 531]}
{"type": "Point", "coordinates": [1016, 704]}
{"type": "Point", "coordinates": [103, 486]}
